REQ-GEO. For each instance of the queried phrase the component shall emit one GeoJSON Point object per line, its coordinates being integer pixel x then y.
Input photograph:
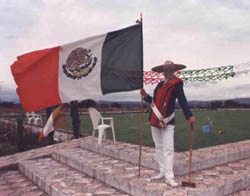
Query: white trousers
{"type": "Point", "coordinates": [164, 146]}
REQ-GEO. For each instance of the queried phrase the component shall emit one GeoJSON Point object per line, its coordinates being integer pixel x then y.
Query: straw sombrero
{"type": "Point", "coordinates": [168, 66]}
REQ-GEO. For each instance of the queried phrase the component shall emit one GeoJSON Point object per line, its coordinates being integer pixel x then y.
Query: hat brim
{"type": "Point", "coordinates": [168, 68]}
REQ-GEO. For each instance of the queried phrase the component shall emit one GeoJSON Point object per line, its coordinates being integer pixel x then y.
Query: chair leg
{"type": "Point", "coordinates": [113, 131]}
{"type": "Point", "coordinates": [93, 132]}
{"type": "Point", "coordinates": [100, 134]}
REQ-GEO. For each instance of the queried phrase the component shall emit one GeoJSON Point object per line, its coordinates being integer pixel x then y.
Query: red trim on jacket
{"type": "Point", "coordinates": [162, 98]}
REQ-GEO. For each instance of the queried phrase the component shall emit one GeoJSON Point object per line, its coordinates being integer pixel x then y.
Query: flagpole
{"type": "Point", "coordinates": [141, 115]}
{"type": "Point", "coordinates": [140, 144]}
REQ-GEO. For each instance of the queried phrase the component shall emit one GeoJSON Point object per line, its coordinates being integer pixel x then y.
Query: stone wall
{"type": "Point", "coordinates": [10, 125]}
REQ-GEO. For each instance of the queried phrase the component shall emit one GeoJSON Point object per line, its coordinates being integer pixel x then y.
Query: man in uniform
{"type": "Point", "coordinates": [162, 119]}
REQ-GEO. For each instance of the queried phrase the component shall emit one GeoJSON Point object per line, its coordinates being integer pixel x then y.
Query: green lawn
{"type": "Point", "coordinates": [235, 124]}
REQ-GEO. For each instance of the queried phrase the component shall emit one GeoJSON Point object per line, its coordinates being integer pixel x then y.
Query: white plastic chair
{"type": "Point", "coordinates": [34, 118]}
{"type": "Point", "coordinates": [96, 117]}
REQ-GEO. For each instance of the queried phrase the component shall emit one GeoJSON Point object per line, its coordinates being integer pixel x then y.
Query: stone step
{"type": "Point", "coordinates": [221, 180]}
{"type": "Point", "coordinates": [245, 192]}
{"type": "Point", "coordinates": [14, 183]}
{"type": "Point", "coordinates": [57, 179]}
{"type": "Point", "coordinates": [202, 158]}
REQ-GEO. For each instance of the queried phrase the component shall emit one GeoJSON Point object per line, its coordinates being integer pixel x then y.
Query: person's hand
{"type": "Point", "coordinates": [191, 121]}
{"type": "Point", "coordinates": [143, 92]}
{"type": "Point", "coordinates": [162, 124]}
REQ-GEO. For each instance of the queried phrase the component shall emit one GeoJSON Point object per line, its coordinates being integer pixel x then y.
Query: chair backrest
{"type": "Point", "coordinates": [95, 117]}
{"type": "Point", "coordinates": [34, 118]}
{"type": "Point", "coordinates": [30, 116]}
{"type": "Point", "coordinates": [38, 119]}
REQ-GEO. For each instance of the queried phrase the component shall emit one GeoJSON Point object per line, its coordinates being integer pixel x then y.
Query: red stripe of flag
{"type": "Point", "coordinates": [36, 76]}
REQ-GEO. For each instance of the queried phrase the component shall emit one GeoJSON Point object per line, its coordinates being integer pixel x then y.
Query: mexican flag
{"type": "Point", "coordinates": [88, 68]}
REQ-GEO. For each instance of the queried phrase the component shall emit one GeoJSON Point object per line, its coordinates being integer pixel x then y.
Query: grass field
{"type": "Point", "coordinates": [234, 123]}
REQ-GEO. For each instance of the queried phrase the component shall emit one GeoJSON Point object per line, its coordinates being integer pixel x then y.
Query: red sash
{"type": "Point", "coordinates": [162, 98]}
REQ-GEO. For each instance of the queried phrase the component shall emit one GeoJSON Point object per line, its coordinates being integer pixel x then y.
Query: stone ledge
{"type": "Point", "coordinates": [231, 180]}
{"type": "Point", "coordinates": [57, 179]}
{"type": "Point", "coordinates": [220, 180]}
{"type": "Point", "coordinates": [202, 158]}
{"type": "Point", "coordinates": [15, 183]}
{"type": "Point", "coordinates": [11, 161]}
{"type": "Point", "coordinates": [61, 135]}
{"type": "Point", "coordinates": [245, 192]}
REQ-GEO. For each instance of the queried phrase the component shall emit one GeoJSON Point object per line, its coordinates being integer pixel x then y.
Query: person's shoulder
{"type": "Point", "coordinates": [160, 84]}
{"type": "Point", "coordinates": [179, 84]}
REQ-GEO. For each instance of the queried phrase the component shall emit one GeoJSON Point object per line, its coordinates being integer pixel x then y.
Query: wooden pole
{"type": "Point", "coordinates": [140, 144]}
{"type": "Point", "coordinates": [190, 153]}
{"type": "Point", "coordinates": [141, 116]}
{"type": "Point", "coordinates": [189, 183]}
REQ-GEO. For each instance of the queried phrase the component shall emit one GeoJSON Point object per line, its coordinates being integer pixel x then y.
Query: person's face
{"type": "Point", "coordinates": [169, 74]}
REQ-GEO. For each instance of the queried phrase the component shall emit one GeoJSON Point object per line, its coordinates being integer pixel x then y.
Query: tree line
{"type": "Point", "coordinates": [119, 105]}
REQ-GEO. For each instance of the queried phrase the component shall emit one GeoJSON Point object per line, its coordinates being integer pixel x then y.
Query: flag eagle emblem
{"type": "Point", "coordinates": [79, 63]}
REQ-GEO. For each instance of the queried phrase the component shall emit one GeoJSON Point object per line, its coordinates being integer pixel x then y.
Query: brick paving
{"type": "Point", "coordinates": [220, 180]}
{"type": "Point", "coordinates": [152, 187]}
{"type": "Point", "coordinates": [219, 170]}
{"type": "Point", "coordinates": [202, 158]}
{"type": "Point", "coordinates": [11, 161]}
{"type": "Point", "coordinates": [14, 183]}
{"type": "Point", "coordinates": [58, 179]}
{"type": "Point", "coordinates": [245, 192]}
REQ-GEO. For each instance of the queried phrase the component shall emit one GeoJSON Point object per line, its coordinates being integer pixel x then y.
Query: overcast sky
{"type": "Point", "coordinates": [199, 34]}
